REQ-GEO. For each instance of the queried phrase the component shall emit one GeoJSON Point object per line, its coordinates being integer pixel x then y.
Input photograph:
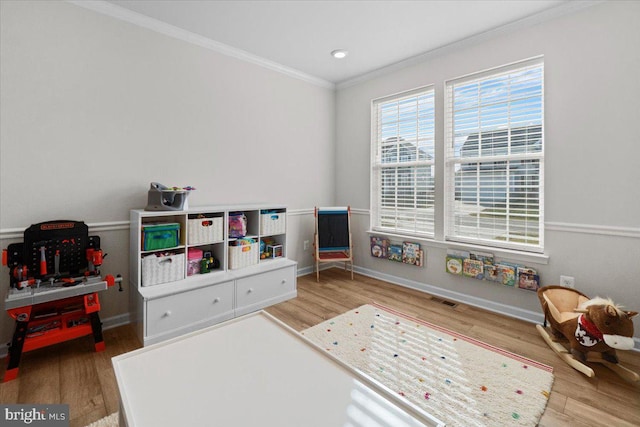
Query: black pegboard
{"type": "Point", "coordinates": [70, 239]}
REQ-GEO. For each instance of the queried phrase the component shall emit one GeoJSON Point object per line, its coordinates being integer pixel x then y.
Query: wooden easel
{"type": "Point", "coordinates": [332, 239]}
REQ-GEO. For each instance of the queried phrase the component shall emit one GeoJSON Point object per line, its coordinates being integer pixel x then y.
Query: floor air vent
{"type": "Point", "coordinates": [445, 302]}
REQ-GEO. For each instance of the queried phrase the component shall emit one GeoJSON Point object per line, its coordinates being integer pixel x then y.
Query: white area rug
{"type": "Point", "coordinates": [108, 421]}
{"type": "Point", "coordinates": [460, 380]}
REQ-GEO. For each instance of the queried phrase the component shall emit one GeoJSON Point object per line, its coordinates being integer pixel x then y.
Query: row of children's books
{"type": "Point", "coordinates": [406, 252]}
{"type": "Point", "coordinates": [482, 266]}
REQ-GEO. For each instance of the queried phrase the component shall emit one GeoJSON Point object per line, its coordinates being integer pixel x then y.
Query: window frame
{"type": "Point", "coordinates": [377, 166]}
{"type": "Point", "coordinates": [450, 160]}
{"type": "Point", "coordinates": [440, 234]}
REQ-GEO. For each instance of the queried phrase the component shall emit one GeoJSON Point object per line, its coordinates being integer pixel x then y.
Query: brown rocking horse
{"type": "Point", "coordinates": [594, 329]}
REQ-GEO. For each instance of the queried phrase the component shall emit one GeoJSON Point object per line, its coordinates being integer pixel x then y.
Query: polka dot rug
{"type": "Point", "coordinates": [458, 379]}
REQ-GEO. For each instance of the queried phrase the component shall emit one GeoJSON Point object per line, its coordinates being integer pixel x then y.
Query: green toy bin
{"type": "Point", "coordinates": [160, 236]}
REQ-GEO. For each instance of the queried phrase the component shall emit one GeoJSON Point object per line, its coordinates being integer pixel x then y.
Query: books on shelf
{"type": "Point", "coordinates": [483, 266]}
{"type": "Point", "coordinates": [411, 253]}
{"type": "Point", "coordinates": [406, 252]}
{"type": "Point", "coordinates": [455, 261]}
{"type": "Point", "coordinates": [395, 252]}
{"type": "Point", "coordinates": [507, 273]}
{"type": "Point", "coordinates": [379, 247]}
{"type": "Point", "coordinates": [528, 279]}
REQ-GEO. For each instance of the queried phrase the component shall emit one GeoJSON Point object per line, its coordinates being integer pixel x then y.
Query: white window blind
{"type": "Point", "coordinates": [402, 172]}
{"type": "Point", "coordinates": [494, 157]}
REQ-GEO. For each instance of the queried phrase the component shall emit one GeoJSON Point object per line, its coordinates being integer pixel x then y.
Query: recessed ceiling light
{"type": "Point", "coordinates": [339, 53]}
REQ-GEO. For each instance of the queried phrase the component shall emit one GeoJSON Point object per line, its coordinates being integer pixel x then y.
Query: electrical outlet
{"type": "Point", "coordinates": [305, 245]}
{"type": "Point", "coordinates": [568, 281]}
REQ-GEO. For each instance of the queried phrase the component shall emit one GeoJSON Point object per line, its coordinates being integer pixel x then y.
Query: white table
{"type": "Point", "coordinates": [251, 371]}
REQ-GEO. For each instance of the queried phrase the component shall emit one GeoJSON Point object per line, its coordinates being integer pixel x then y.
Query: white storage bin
{"type": "Point", "coordinates": [205, 230]}
{"type": "Point", "coordinates": [273, 223]}
{"type": "Point", "coordinates": [243, 256]}
{"type": "Point", "coordinates": [162, 269]}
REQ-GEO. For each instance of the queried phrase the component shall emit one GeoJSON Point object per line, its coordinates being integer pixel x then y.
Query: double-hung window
{"type": "Point", "coordinates": [403, 163]}
{"type": "Point", "coordinates": [494, 157]}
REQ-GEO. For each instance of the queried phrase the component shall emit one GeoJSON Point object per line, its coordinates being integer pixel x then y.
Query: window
{"type": "Point", "coordinates": [494, 157]}
{"type": "Point", "coordinates": [402, 172]}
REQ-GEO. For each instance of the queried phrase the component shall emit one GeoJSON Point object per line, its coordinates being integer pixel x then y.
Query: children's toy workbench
{"type": "Point", "coordinates": [54, 280]}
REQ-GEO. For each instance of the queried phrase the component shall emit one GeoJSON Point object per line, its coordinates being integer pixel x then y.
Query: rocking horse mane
{"type": "Point", "coordinates": [601, 301]}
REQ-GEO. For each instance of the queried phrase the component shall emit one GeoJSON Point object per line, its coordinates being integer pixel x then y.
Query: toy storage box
{"type": "Point", "coordinates": [160, 236]}
{"type": "Point", "coordinates": [243, 256]}
{"type": "Point", "coordinates": [162, 269]}
{"type": "Point", "coordinates": [276, 251]}
{"type": "Point", "coordinates": [272, 223]}
{"type": "Point", "coordinates": [205, 230]}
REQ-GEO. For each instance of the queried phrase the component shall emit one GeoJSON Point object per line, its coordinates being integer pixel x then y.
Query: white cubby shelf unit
{"type": "Point", "coordinates": [167, 302]}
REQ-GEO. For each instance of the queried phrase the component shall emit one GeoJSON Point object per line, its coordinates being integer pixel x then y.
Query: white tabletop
{"type": "Point", "coordinates": [251, 371]}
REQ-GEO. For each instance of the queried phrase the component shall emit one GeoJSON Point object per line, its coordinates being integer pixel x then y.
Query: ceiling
{"type": "Point", "coordinates": [300, 35]}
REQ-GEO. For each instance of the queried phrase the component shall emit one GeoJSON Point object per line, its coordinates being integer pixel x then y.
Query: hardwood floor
{"type": "Point", "coordinates": [73, 373]}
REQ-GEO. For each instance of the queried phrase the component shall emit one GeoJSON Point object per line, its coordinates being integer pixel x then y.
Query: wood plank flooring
{"type": "Point", "coordinates": [73, 373]}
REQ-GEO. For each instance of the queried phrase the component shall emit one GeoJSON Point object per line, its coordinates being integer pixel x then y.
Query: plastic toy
{"type": "Point", "coordinates": [162, 198]}
{"type": "Point", "coordinates": [593, 329]}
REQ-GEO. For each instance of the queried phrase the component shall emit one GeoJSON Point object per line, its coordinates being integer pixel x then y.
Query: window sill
{"type": "Point", "coordinates": [503, 254]}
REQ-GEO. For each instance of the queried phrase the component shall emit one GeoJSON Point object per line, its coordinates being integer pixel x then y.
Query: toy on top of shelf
{"type": "Point", "coordinates": [163, 198]}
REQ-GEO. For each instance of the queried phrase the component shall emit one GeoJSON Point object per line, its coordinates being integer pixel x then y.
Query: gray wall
{"type": "Point", "coordinates": [93, 109]}
{"type": "Point", "coordinates": [592, 164]}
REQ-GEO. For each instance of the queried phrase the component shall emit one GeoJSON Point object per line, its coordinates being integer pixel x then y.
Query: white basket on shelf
{"type": "Point", "coordinates": [243, 256]}
{"type": "Point", "coordinates": [162, 269]}
{"type": "Point", "coordinates": [205, 230]}
{"type": "Point", "coordinates": [273, 223]}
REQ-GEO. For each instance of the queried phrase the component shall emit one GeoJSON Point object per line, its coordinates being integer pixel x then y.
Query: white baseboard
{"type": "Point", "coordinates": [310, 269]}
{"type": "Point", "coordinates": [507, 310]}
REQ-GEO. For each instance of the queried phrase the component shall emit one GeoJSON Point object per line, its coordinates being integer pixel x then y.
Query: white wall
{"type": "Point", "coordinates": [592, 166]}
{"type": "Point", "coordinates": [93, 109]}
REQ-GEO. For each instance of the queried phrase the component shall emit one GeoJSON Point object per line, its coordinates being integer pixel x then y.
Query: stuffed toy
{"type": "Point", "coordinates": [593, 329]}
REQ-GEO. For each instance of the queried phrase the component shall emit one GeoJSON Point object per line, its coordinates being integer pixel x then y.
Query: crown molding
{"type": "Point", "coordinates": [152, 24]}
{"type": "Point", "coordinates": [529, 21]}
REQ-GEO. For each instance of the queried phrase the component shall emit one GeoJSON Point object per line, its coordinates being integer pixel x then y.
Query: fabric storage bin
{"type": "Point", "coordinates": [243, 256]}
{"type": "Point", "coordinates": [194, 256]}
{"type": "Point", "coordinates": [205, 230]}
{"type": "Point", "coordinates": [162, 269]}
{"type": "Point", "coordinates": [160, 236]}
{"type": "Point", "coordinates": [272, 223]}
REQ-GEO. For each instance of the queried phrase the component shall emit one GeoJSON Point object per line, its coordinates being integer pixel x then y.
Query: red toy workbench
{"type": "Point", "coordinates": [54, 284]}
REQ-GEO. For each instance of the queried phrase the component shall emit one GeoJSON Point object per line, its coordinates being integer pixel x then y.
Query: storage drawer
{"type": "Point", "coordinates": [259, 289]}
{"type": "Point", "coordinates": [181, 310]}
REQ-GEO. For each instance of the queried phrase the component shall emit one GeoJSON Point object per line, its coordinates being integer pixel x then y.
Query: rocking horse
{"type": "Point", "coordinates": [594, 329]}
